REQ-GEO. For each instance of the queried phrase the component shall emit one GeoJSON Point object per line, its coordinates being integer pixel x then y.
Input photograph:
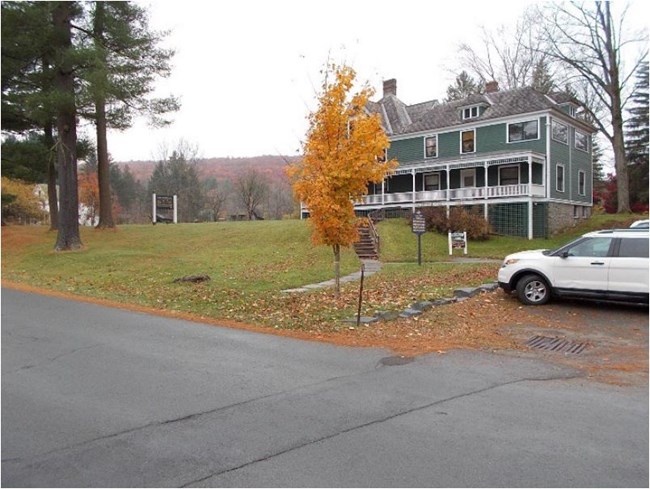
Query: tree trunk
{"type": "Point", "coordinates": [52, 197]}
{"type": "Point", "coordinates": [103, 170]}
{"type": "Point", "coordinates": [337, 269]}
{"type": "Point", "coordinates": [614, 89]}
{"type": "Point", "coordinates": [68, 236]}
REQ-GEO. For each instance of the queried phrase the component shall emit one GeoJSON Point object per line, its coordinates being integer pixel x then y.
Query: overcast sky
{"type": "Point", "coordinates": [247, 72]}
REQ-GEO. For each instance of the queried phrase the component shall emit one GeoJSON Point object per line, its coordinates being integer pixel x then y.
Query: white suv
{"type": "Point", "coordinates": [607, 265]}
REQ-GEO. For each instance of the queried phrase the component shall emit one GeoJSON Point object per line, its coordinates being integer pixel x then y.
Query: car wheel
{"type": "Point", "coordinates": [533, 290]}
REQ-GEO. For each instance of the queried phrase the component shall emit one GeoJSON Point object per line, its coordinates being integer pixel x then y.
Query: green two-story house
{"type": "Point", "coordinates": [520, 157]}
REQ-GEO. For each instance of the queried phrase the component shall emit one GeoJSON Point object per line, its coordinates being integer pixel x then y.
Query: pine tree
{"type": "Point", "coordinates": [28, 92]}
{"type": "Point", "coordinates": [637, 139]}
{"type": "Point", "coordinates": [126, 61]}
{"type": "Point", "coordinates": [177, 175]}
{"type": "Point", "coordinates": [542, 80]}
{"type": "Point", "coordinates": [463, 87]}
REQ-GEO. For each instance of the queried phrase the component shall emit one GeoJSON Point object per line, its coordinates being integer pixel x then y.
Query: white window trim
{"type": "Point", "coordinates": [557, 166]}
{"type": "Point", "coordinates": [567, 132]}
{"type": "Point", "coordinates": [511, 166]}
{"type": "Point", "coordinates": [471, 109]}
{"type": "Point", "coordinates": [575, 141]}
{"type": "Point", "coordinates": [424, 140]}
{"type": "Point", "coordinates": [424, 177]}
{"type": "Point", "coordinates": [522, 140]}
{"type": "Point", "coordinates": [584, 182]}
{"type": "Point", "coordinates": [466, 171]}
{"type": "Point", "coordinates": [461, 141]}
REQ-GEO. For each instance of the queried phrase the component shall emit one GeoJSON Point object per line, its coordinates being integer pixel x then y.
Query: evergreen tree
{"type": "Point", "coordinates": [463, 87]}
{"type": "Point", "coordinates": [64, 63]}
{"type": "Point", "coordinates": [26, 158]}
{"type": "Point", "coordinates": [178, 176]}
{"type": "Point", "coordinates": [126, 60]}
{"type": "Point", "coordinates": [29, 96]}
{"type": "Point", "coordinates": [637, 139]}
{"type": "Point", "coordinates": [542, 80]}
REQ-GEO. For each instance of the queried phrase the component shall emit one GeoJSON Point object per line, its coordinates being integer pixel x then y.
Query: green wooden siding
{"type": "Point", "coordinates": [574, 161]}
{"type": "Point", "coordinates": [406, 150]}
{"type": "Point", "coordinates": [488, 139]}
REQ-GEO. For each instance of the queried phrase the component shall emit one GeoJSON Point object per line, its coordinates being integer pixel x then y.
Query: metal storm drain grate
{"type": "Point", "coordinates": [556, 344]}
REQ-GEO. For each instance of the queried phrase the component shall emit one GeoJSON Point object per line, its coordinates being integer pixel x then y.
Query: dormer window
{"type": "Point", "coordinates": [470, 112]}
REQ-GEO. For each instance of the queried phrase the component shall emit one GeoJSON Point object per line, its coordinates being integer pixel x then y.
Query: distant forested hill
{"type": "Point", "coordinates": [220, 168]}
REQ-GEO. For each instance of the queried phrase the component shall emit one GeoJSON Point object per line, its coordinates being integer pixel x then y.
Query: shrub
{"type": "Point", "coordinates": [459, 219]}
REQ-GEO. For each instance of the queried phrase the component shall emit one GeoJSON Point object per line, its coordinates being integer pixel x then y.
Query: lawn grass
{"type": "Point", "coordinates": [399, 244]}
{"type": "Point", "coordinates": [250, 263]}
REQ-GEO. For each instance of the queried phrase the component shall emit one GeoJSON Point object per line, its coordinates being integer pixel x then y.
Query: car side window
{"type": "Point", "coordinates": [593, 247]}
{"type": "Point", "coordinates": [633, 248]}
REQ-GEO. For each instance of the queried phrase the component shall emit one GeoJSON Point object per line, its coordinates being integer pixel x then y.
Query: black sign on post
{"type": "Point", "coordinates": [419, 228]}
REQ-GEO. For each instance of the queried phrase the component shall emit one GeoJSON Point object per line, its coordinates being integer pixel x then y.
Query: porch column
{"type": "Point", "coordinates": [448, 190]}
{"type": "Point", "coordinates": [530, 176]}
{"type": "Point", "coordinates": [383, 187]}
{"type": "Point", "coordinates": [530, 218]}
{"type": "Point", "coordinates": [485, 174]}
{"type": "Point", "coordinates": [413, 174]}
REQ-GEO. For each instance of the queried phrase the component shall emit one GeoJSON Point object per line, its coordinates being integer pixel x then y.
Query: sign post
{"type": "Point", "coordinates": [457, 240]}
{"type": "Point", "coordinates": [419, 228]}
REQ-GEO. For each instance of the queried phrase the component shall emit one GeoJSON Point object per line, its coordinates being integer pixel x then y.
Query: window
{"type": "Point", "coordinates": [591, 247]}
{"type": "Point", "coordinates": [431, 146]}
{"type": "Point", "coordinates": [470, 112]}
{"type": "Point", "coordinates": [582, 180]}
{"type": "Point", "coordinates": [576, 211]}
{"type": "Point", "coordinates": [560, 132]}
{"type": "Point", "coordinates": [350, 128]}
{"type": "Point", "coordinates": [384, 156]}
{"type": "Point", "coordinates": [432, 181]}
{"type": "Point", "coordinates": [523, 131]}
{"type": "Point", "coordinates": [581, 141]}
{"type": "Point", "coordinates": [633, 248]}
{"type": "Point", "coordinates": [509, 175]}
{"type": "Point", "coordinates": [467, 141]}
{"type": "Point", "coordinates": [559, 178]}
{"type": "Point", "coordinates": [468, 178]}
{"type": "Point", "coordinates": [585, 212]}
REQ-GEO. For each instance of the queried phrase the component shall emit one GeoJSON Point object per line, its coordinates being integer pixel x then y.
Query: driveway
{"type": "Point", "coordinates": [94, 396]}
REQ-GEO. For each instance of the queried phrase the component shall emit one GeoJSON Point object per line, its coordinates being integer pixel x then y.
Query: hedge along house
{"type": "Point", "coordinates": [520, 157]}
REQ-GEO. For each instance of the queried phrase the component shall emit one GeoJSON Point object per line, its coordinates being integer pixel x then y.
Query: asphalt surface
{"type": "Point", "coordinates": [94, 396]}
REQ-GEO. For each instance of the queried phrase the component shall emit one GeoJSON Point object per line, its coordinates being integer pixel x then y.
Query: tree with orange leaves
{"type": "Point", "coordinates": [343, 152]}
{"type": "Point", "coordinates": [89, 195]}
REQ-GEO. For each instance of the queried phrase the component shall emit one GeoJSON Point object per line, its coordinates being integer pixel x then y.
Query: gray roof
{"type": "Point", "coordinates": [399, 118]}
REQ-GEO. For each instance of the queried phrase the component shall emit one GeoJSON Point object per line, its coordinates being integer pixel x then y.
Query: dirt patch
{"type": "Point", "coordinates": [616, 335]}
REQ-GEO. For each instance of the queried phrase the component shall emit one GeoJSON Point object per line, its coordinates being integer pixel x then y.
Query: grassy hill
{"type": "Point", "coordinates": [250, 263]}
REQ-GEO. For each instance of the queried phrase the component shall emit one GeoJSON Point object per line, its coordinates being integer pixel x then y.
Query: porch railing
{"type": "Point", "coordinates": [500, 191]}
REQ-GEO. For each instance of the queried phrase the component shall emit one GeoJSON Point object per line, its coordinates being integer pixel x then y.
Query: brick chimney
{"type": "Point", "coordinates": [390, 87]}
{"type": "Point", "coordinates": [491, 87]}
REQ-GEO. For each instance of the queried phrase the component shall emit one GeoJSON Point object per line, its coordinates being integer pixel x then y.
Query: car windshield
{"type": "Point", "coordinates": [555, 251]}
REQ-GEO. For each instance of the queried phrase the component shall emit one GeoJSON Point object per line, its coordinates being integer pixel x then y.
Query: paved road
{"type": "Point", "coordinates": [93, 396]}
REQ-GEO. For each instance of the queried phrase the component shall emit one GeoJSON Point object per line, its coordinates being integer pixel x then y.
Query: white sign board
{"type": "Point", "coordinates": [457, 240]}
